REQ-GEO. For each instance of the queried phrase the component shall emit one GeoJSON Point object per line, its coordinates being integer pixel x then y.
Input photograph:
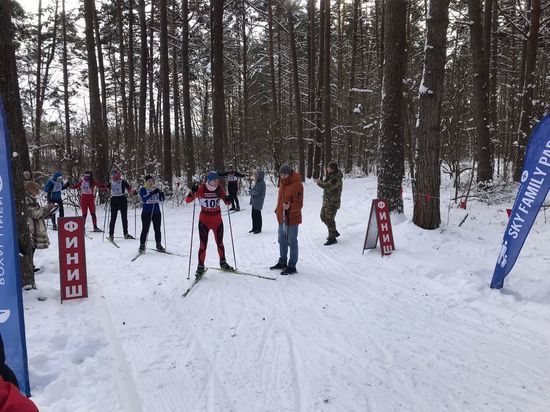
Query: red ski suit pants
{"type": "Point", "coordinates": [207, 223]}
{"type": "Point", "coordinates": [87, 202]}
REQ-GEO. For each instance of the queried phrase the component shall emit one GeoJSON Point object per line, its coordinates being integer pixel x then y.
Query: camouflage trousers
{"type": "Point", "coordinates": [327, 217]}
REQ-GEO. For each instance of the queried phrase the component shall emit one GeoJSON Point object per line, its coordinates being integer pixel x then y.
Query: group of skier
{"type": "Point", "coordinates": [209, 194]}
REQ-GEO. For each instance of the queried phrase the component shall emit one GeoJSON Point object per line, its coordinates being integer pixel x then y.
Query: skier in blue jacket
{"type": "Point", "coordinates": [53, 189]}
{"type": "Point", "coordinates": [151, 196]}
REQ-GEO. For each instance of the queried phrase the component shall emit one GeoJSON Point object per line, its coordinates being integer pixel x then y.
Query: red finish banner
{"type": "Point", "coordinates": [385, 232]}
{"type": "Point", "coordinates": [72, 258]}
{"type": "Point", "coordinates": [379, 227]}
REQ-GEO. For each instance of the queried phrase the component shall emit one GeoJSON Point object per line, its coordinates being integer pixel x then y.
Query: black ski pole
{"type": "Point", "coordinates": [105, 217]}
{"type": "Point", "coordinates": [231, 231]}
{"type": "Point", "coordinates": [135, 219]}
{"type": "Point", "coordinates": [163, 223]}
{"type": "Point", "coordinates": [191, 244]}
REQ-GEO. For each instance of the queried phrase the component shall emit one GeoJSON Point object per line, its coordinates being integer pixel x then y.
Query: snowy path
{"type": "Point", "coordinates": [419, 331]}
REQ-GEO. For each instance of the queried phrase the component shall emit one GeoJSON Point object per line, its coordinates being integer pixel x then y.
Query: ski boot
{"type": "Point", "coordinates": [54, 227]}
{"type": "Point", "coordinates": [200, 271]}
{"type": "Point", "coordinates": [128, 236]}
{"type": "Point", "coordinates": [96, 229]}
{"type": "Point", "coordinates": [331, 241]}
{"type": "Point", "coordinates": [141, 249]}
{"type": "Point", "coordinates": [225, 266]}
{"type": "Point", "coordinates": [111, 238]}
{"type": "Point", "coordinates": [160, 248]}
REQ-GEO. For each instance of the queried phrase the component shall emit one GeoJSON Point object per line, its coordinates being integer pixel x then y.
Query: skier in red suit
{"type": "Point", "coordinates": [87, 199]}
{"type": "Point", "coordinates": [209, 195]}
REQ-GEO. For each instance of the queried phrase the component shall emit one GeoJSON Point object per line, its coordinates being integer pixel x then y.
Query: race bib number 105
{"type": "Point", "coordinates": [212, 203]}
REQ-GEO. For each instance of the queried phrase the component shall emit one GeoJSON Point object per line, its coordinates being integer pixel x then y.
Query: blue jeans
{"type": "Point", "coordinates": [288, 238]}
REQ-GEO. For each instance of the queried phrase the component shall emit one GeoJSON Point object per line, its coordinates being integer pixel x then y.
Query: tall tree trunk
{"type": "Point", "coordinates": [391, 168]}
{"type": "Point", "coordinates": [320, 92]}
{"type": "Point", "coordinates": [131, 154]}
{"type": "Point", "coordinates": [297, 95]}
{"type": "Point", "coordinates": [68, 149]}
{"type": "Point", "coordinates": [326, 88]}
{"type": "Point", "coordinates": [123, 96]}
{"type": "Point", "coordinates": [493, 72]}
{"type": "Point", "coordinates": [140, 161]}
{"type": "Point", "coordinates": [165, 82]}
{"type": "Point", "coordinates": [98, 136]}
{"type": "Point", "coordinates": [245, 91]}
{"type": "Point", "coordinates": [101, 72]}
{"type": "Point", "coordinates": [38, 116]}
{"type": "Point", "coordinates": [9, 92]}
{"type": "Point", "coordinates": [349, 113]}
{"type": "Point", "coordinates": [218, 95]}
{"type": "Point", "coordinates": [274, 130]}
{"type": "Point", "coordinates": [176, 97]}
{"type": "Point", "coordinates": [528, 88]}
{"type": "Point", "coordinates": [480, 97]}
{"type": "Point", "coordinates": [428, 140]}
{"type": "Point", "coordinates": [189, 150]}
{"type": "Point", "coordinates": [311, 84]}
{"type": "Point", "coordinates": [152, 144]}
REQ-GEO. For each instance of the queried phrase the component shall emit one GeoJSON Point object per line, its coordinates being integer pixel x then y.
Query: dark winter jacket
{"type": "Point", "coordinates": [232, 179]}
{"type": "Point", "coordinates": [257, 193]}
{"type": "Point", "coordinates": [53, 188]}
{"type": "Point", "coordinates": [332, 186]}
{"type": "Point", "coordinates": [290, 190]}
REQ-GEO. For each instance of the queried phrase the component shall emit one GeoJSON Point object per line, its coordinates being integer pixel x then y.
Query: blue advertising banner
{"type": "Point", "coordinates": [12, 323]}
{"type": "Point", "coordinates": [534, 186]}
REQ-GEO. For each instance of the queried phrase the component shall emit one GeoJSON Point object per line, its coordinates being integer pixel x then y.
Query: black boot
{"type": "Point", "coordinates": [128, 236]}
{"type": "Point", "coordinates": [289, 271]}
{"type": "Point", "coordinates": [200, 271]}
{"type": "Point", "coordinates": [278, 266]}
{"type": "Point", "coordinates": [141, 248]}
{"type": "Point", "coordinates": [331, 241]}
{"type": "Point", "coordinates": [160, 248]}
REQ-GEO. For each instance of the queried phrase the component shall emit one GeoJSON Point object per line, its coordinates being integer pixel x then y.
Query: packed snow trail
{"type": "Point", "coordinates": [420, 330]}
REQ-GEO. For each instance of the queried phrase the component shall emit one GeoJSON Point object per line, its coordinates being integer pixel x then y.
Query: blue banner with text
{"type": "Point", "coordinates": [12, 323]}
{"type": "Point", "coordinates": [534, 186]}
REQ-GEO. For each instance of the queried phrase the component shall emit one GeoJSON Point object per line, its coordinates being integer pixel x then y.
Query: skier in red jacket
{"type": "Point", "coordinates": [11, 400]}
{"type": "Point", "coordinates": [87, 198]}
{"type": "Point", "coordinates": [209, 195]}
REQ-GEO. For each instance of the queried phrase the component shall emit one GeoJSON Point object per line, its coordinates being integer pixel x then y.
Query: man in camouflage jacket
{"type": "Point", "coordinates": [332, 191]}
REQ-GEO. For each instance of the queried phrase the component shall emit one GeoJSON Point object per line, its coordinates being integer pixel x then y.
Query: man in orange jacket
{"type": "Point", "coordinates": [289, 216]}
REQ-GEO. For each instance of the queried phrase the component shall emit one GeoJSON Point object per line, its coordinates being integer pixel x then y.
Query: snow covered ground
{"type": "Point", "coordinates": [418, 331]}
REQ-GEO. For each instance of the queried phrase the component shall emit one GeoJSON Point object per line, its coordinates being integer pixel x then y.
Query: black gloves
{"type": "Point", "coordinates": [154, 192]}
{"type": "Point", "coordinates": [195, 188]}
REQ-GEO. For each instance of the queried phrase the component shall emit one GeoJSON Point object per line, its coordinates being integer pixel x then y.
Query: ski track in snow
{"type": "Point", "coordinates": [418, 331]}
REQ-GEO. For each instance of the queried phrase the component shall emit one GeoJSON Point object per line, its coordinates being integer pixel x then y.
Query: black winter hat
{"type": "Point", "coordinates": [285, 169]}
{"type": "Point", "coordinates": [333, 166]}
{"type": "Point", "coordinates": [147, 177]}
